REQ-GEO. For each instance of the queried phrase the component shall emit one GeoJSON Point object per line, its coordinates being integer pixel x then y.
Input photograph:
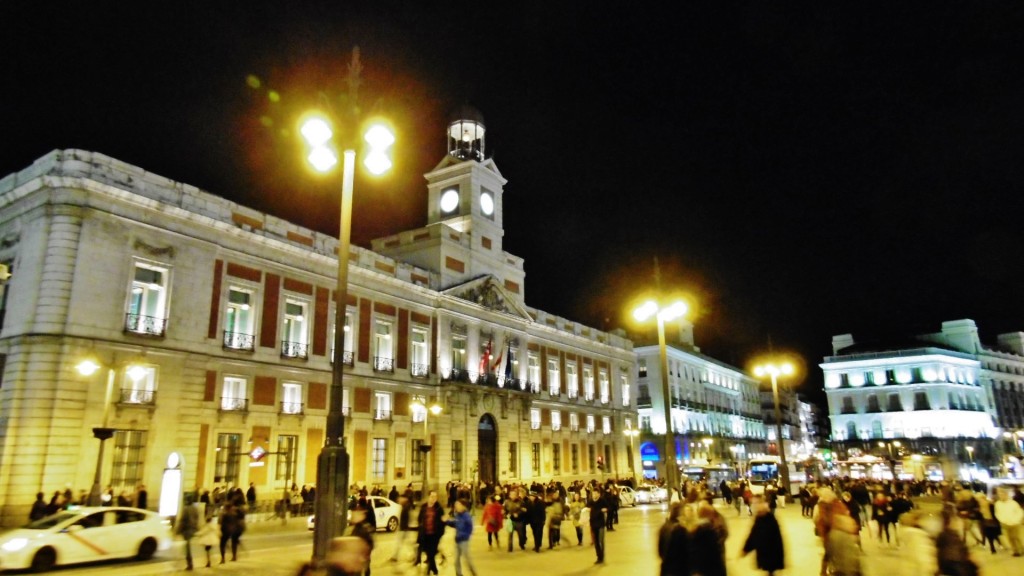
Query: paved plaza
{"type": "Point", "coordinates": [273, 549]}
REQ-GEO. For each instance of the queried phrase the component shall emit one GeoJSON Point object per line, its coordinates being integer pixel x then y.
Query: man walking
{"type": "Point", "coordinates": [1010, 516]}
{"type": "Point", "coordinates": [463, 524]}
{"type": "Point", "coordinates": [598, 519]}
{"type": "Point", "coordinates": [430, 531]}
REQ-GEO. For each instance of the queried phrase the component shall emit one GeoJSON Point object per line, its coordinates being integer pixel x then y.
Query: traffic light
{"type": "Point", "coordinates": [600, 463]}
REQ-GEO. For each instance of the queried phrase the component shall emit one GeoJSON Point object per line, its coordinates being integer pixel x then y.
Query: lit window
{"type": "Point", "coordinates": [239, 319]}
{"type": "Point", "coordinates": [554, 377]}
{"type": "Point", "coordinates": [458, 352]}
{"type": "Point", "coordinates": [291, 398]}
{"type": "Point", "coordinates": [556, 420]}
{"type": "Point", "coordinates": [233, 394]}
{"type": "Point", "coordinates": [605, 387]}
{"type": "Point", "coordinates": [380, 458]}
{"type": "Point", "coordinates": [295, 330]}
{"type": "Point", "coordinates": [382, 407]}
{"type": "Point", "coordinates": [139, 385]}
{"type": "Point", "coordinates": [590, 424]}
{"type": "Point", "coordinates": [572, 382]}
{"type": "Point", "coordinates": [147, 302]}
{"type": "Point", "coordinates": [588, 384]}
{"type": "Point", "coordinates": [574, 422]}
{"type": "Point", "coordinates": [626, 398]}
{"type": "Point", "coordinates": [606, 424]}
{"type": "Point", "coordinates": [533, 371]}
{"type": "Point", "coordinates": [420, 359]}
{"type": "Point", "coordinates": [535, 418]}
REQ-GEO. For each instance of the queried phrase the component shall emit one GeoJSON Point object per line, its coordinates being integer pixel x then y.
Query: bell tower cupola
{"type": "Point", "coordinates": [466, 134]}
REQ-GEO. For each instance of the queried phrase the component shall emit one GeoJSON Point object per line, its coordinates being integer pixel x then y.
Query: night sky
{"type": "Point", "coordinates": [799, 171]}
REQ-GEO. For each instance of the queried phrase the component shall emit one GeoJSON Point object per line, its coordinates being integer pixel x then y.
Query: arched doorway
{"type": "Point", "coordinates": [487, 449]}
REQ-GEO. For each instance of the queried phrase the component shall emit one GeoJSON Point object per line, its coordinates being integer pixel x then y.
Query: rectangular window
{"type": "Point", "coordinates": [287, 450]}
{"type": "Point", "coordinates": [147, 300]}
{"type": "Point", "coordinates": [533, 371]}
{"type": "Point", "coordinates": [239, 319]}
{"type": "Point", "coordinates": [591, 460]}
{"type": "Point", "coordinates": [418, 408]}
{"type": "Point", "coordinates": [575, 455]}
{"type": "Point", "coordinates": [574, 422]}
{"type": "Point", "coordinates": [604, 387]}
{"type": "Point", "coordinates": [291, 398]}
{"type": "Point", "coordinates": [229, 448]}
{"type": "Point", "coordinates": [383, 353]}
{"type": "Point", "coordinates": [295, 331]}
{"type": "Point", "coordinates": [535, 418]}
{"type": "Point", "coordinates": [588, 384]}
{"type": "Point", "coordinates": [606, 424]}
{"type": "Point", "coordinates": [556, 420]}
{"type": "Point", "coordinates": [380, 458]}
{"type": "Point", "coordinates": [417, 457]}
{"type": "Point", "coordinates": [234, 394]}
{"type": "Point", "coordinates": [607, 457]}
{"type": "Point", "coordinates": [590, 424]}
{"type": "Point", "coordinates": [556, 458]}
{"type": "Point", "coordinates": [420, 358]}
{"type": "Point", "coordinates": [139, 385]}
{"type": "Point", "coordinates": [641, 366]}
{"type": "Point", "coordinates": [513, 458]}
{"type": "Point", "coordinates": [572, 381]}
{"type": "Point", "coordinates": [129, 460]}
{"type": "Point", "coordinates": [458, 352]}
{"type": "Point", "coordinates": [921, 401]}
{"type": "Point", "coordinates": [535, 458]}
{"type": "Point", "coordinates": [382, 406]}
{"type": "Point", "coordinates": [554, 377]}
{"type": "Point", "coordinates": [624, 382]}
{"type": "Point", "coordinates": [456, 458]}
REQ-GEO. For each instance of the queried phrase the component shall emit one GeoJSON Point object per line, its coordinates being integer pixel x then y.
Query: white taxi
{"type": "Point", "coordinates": [386, 513]}
{"type": "Point", "coordinates": [84, 534]}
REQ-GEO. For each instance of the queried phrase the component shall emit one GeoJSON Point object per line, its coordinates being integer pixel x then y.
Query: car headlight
{"type": "Point", "coordinates": [15, 544]}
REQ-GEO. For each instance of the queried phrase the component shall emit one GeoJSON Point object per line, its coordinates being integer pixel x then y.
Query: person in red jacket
{"type": "Point", "coordinates": [493, 520]}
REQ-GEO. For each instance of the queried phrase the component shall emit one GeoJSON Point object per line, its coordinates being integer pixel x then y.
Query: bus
{"type": "Point", "coordinates": [765, 470]}
{"type": "Point", "coordinates": [712, 476]}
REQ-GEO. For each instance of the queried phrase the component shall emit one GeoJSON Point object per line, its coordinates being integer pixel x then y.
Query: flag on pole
{"type": "Point", "coordinates": [485, 359]}
{"type": "Point", "coordinates": [497, 362]}
{"type": "Point", "coordinates": [508, 362]}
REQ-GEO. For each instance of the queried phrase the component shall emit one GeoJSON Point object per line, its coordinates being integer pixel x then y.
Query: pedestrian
{"type": "Point", "coordinates": [1010, 516]}
{"type": "Point", "coordinates": [250, 496]}
{"type": "Point", "coordinates": [38, 508]}
{"type": "Point", "coordinates": [576, 508]}
{"type": "Point", "coordinates": [707, 543]}
{"type": "Point", "coordinates": [187, 525]}
{"type": "Point", "coordinates": [844, 547]}
{"type": "Point", "coordinates": [990, 528]}
{"type": "Point", "coordinates": [393, 495]}
{"type": "Point", "coordinates": [674, 543]}
{"type": "Point", "coordinates": [828, 508]}
{"type": "Point", "coordinates": [536, 515]}
{"type": "Point", "coordinates": [765, 539]}
{"type": "Point", "coordinates": [403, 525]}
{"type": "Point", "coordinates": [917, 554]}
{"type": "Point", "coordinates": [232, 524]}
{"type": "Point", "coordinates": [431, 528]}
{"type": "Point", "coordinates": [361, 527]}
{"type": "Point", "coordinates": [805, 501]}
{"type": "Point", "coordinates": [598, 518]}
{"type": "Point", "coordinates": [882, 513]}
{"type": "Point", "coordinates": [515, 511]}
{"type": "Point", "coordinates": [463, 524]}
{"type": "Point", "coordinates": [141, 497]}
{"type": "Point", "coordinates": [555, 515]}
{"type": "Point", "coordinates": [953, 557]}
{"type": "Point", "coordinates": [493, 518]}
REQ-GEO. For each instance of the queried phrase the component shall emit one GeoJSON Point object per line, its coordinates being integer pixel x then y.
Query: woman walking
{"type": "Point", "coordinates": [765, 539]}
{"type": "Point", "coordinates": [493, 520]}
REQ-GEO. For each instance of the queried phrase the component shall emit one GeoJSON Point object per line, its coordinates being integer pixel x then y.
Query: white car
{"type": "Point", "coordinates": [627, 497]}
{"type": "Point", "coordinates": [84, 534]}
{"type": "Point", "coordinates": [649, 495]}
{"type": "Point", "coordinates": [386, 512]}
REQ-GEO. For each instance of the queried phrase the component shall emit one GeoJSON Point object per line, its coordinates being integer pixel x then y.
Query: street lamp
{"type": "Point", "coordinates": [666, 314]}
{"type": "Point", "coordinates": [332, 464]}
{"type": "Point", "coordinates": [435, 409]}
{"type": "Point", "coordinates": [103, 433]}
{"type": "Point", "coordinates": [774, 371]}
{"type": "Point", "coordinates": [632, 433]}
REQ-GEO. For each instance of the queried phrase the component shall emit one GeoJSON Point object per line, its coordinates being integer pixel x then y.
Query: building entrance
{"type": "Point", "coordinates": [487, 442]}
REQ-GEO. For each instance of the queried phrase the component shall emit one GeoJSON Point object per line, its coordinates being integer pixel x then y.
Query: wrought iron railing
{"type": "Point", "coordinates": [229, 404]}
{"type": "Point", "coordinates": [382, 364]}
{"type": "Point", "coordinates": [643, 401]}
{"type": "Point", "coordinates": [148, 325]}
{"type": "Point", "coordinates": [419, 370]}
{"type": "Point", "coordinates": [291, 407]}
{"type": "Point", "coordinates": [294, 350]}
{"type": "Point", "coordinates": [382, 414]}
{"type": "Point", "coordinates": [137, 396]}
{"type": "Point", "coordinates": [239, 341]}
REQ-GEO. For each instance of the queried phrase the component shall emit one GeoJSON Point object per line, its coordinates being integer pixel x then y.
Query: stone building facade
{"type": "Point", "coordinates": [208, 329]}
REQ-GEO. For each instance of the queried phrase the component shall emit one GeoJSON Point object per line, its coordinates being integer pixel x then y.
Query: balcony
{"type": "Point", "coordinates": [534, 425]}
{"type": "Point", "coordinates": [382, 364]}
{"type": "Point", "coordinates": [605, 400]}
{"type": "Point", "coordinates": [588, 398]}
{"type": "Point", "coordinates": [419, 370]}
{"type": "Point", "coordinates": [347, 358]}
{"type": "Point", "coordinates": [573, 394]}
{"type": "Point", "coordinates": [574, 427]}
{"type": "Point", "coordinates": [135, 396]}
{"type": "Point", "coordinates": [297, 350]}
{"type": "Point", "coordinates": [145, 325]}
{"type": "Point", "coordinates": [239, 341]}
{"type": "Point", "coordinates": [382, 415]}
{"type": "Point", "coordinates": [292, 408]}
{"type": "Point", "coordinates": [229, 404]}
{"type": "Point", "coordinates": [554, 393]}
{"type": "Point", "coordinates": [643, 401]}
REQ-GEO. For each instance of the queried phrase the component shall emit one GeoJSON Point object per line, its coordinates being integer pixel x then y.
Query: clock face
{"type": "Point", "coordinates": [449, 200]}
{"type": "Point", "coordinates": [487, 203]}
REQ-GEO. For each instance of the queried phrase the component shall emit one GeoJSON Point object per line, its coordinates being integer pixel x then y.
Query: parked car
{"type": "Point", "coordinates": [627, 496]}
{"type": "Point", "coordinates": [386, 512]}
{"type": "Point", "coordinates": [84, 534]}
{"type": "Point", "coordinates": [650, 495]}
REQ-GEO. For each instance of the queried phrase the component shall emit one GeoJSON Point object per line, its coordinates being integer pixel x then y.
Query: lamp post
{"type": "Point", "coordinates": [632, 433]}
{"type": "Point", "coordinates": [666, 314]}
{"type": "Point", "coordinates": [102, 433]}
{"type": "Point", "coordinates": [332, 463]}
{"type": "Point", "coordinates": [435, 409]}
{"type": "Point", "coordinates": [774, 371]}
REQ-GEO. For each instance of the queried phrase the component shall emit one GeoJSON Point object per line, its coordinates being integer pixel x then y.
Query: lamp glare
{"type": "Point", "coordinates": [322, 158]}
{"type": "Point", "coordinates": [645, 311]}
{"type": "Point", "coordinates": [316, 131]}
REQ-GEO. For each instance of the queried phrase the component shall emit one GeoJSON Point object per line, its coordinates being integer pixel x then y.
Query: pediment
{"type": "Point", "coordinates": [487, 164]}
{"type": "Point", "coordinates": [486, 291]}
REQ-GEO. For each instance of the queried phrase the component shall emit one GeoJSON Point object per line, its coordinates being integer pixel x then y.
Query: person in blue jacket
{"type": "Point", "coordinates": [463, 524]}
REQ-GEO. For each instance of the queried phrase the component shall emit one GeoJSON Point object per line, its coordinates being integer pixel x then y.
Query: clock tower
{"type": "Point", "coordinates": [464, 214]}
